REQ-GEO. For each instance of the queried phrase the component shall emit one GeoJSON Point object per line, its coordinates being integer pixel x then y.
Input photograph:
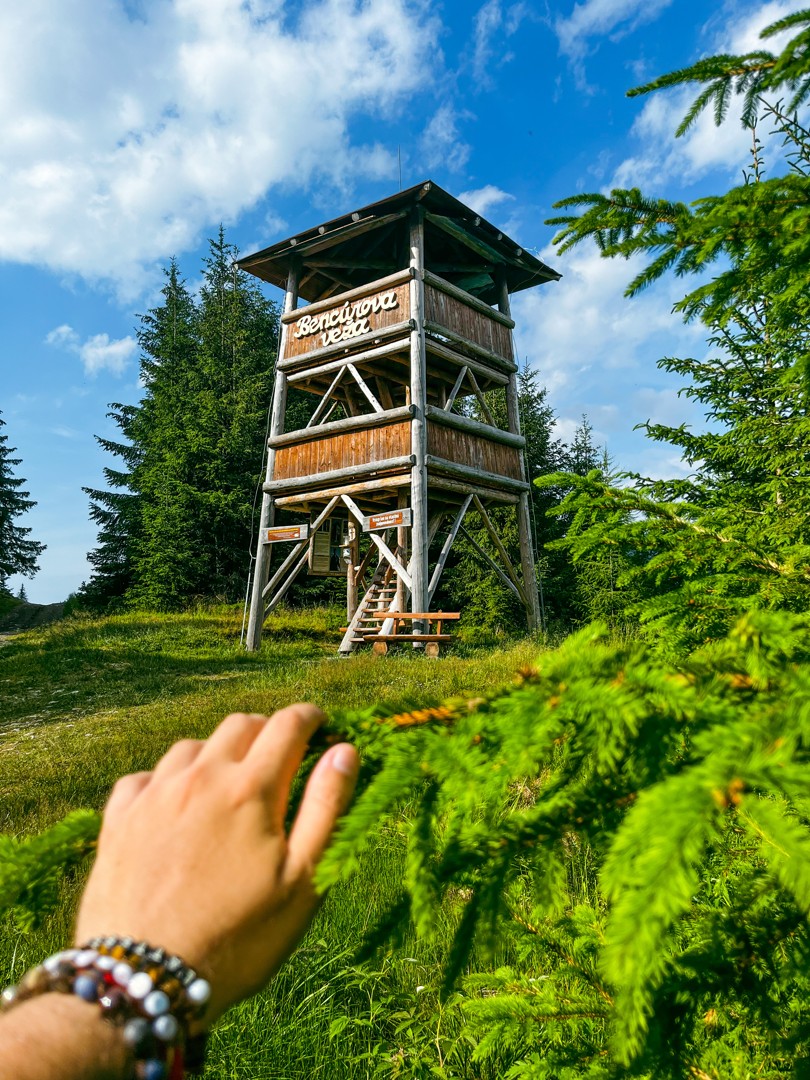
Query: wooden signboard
{"type": "Point", "coordinates": [389, 520]}
{"type": "Point", "coordinates": [344, 322]}
{"type": "Point", "coordinates": [286, 532]}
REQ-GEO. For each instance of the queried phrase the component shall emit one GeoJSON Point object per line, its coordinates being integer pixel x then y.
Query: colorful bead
{"type": "Point", "coordinates": [140, 985]}
{"type": "Point", "coordinates": [152, 1069]}
{"type": "Point", "coordinates": [137, 1033]}
{"type": "Point", "coordinates": [85, 958]}
{"type": "Point", "coordinates": [122, 973]}
{"type": "Point", "coordinates": [86, 987]}
{"type": "Point", "coordinates": [156, 1003]}
{"type": "Point", "coordinates": [147, 993]}
{"type": "Point", "coordinates": [166, 1027]}
{"type": "Point", "coordinates": [199, 991]}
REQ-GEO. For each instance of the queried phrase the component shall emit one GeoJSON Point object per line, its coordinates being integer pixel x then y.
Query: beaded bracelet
{"type": "Point", "coordinates": [151, 995]}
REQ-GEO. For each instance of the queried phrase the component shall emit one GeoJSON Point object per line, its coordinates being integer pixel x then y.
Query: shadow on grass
{"type": "Point", "coordinates": [82, 666]}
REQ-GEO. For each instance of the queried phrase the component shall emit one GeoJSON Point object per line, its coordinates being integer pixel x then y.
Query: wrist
{"type": "Point", "coordinates": [150, 997]}
{"type": "Point", "coordinates": [60, 1037]}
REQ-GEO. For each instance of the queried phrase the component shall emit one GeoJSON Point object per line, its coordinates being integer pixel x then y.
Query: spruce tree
{"type": "Point", "coordinates": [18, 554]}
{"type": "Point", "coordinates": [176, 522]}
{"type": "Point", "coordinates": [116, 512]}
{"type": "Point", "coordinates": [707, 547]}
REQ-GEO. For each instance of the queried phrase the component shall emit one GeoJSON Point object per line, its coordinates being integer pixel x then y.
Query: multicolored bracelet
{"type": "Point", "coordinates": [151, 995]}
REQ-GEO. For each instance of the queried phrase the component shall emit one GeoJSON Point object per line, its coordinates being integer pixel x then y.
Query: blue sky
{"type": "Point", "coordinates": [132, 128]}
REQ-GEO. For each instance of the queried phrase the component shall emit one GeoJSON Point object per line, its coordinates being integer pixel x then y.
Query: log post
{"type": "Point", "coordinates": [351, 572]}
{"type": "Point", "coordinates": [524, 514]}
{"type": "Point", "coordinates": [278, 410]}
{"type": "Point", "coordinates": [418, 386]}
{"type": "Point", "coordinates": [401, 550]}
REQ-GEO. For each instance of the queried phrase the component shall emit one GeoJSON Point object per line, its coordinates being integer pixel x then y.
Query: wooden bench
{"type": "Point", "coordinates": [432, 640]}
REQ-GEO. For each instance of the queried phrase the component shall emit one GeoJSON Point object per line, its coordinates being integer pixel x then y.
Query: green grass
{"type": "Point", "coordinates": [88, 699]}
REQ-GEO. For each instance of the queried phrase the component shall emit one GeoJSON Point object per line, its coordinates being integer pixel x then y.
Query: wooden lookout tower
{"type": "Point", "coordinates": [395, 317]}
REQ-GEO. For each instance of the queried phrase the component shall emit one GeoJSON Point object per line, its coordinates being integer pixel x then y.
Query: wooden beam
{"type": "Point", "coordinates": [534, 611]}
{"type": "Point", "coordinates": [496, 540]}
{"type": "Point", "coordinates": [499, 374]}
{"type": "Point", "coordinates": [284, 588]}
{"type": "Point", "coordinates": [380, 352]}
{"type": "Point", "coordinates": [344, 232]}
{"type": "Point", "coordinates": [338, 427]}
{"type": "Point", "coordinates": [384, 391]}
{"type": "Point", "coordinates": [493, 565]}
{"type": "Point", "coordinates": [278, 410]}
{"type": "Point", "coordinates": [369, 468]}
{"type": "Point", "coordinates": [357, 293]}
{"type": "Point", "coordinates": [381, 545]}
{"type": "Point", "coordinates": [319, 520]}
{"type": "Point", "coordinates": [480, 476]}
{"type": "Point", "coordinates": [474, 427]}
{"type": "Point", "coordinates": [351, 573]}
{"type": "Point", "coordinates": [456, 387]}
{"type": "Point", "coordinates": [505, 362]}
{"type": "Point", "coordinates": [351, 264]}
{"type": "Point", "coordinates": [324, 402]}
{"type": "Point", "coordinates": [445, 286]}
{"type": "Point", "coordinates": [446, 546]}
{"type": "Point", "coordinates": [458, 232]}
{"type": "Point", "coordinates": [484, 407]}
{"type": "Point", "coordinates": [386, 483]}
{"type": "Point", "coordinates": [358, 378]}
{"type": "Point", "coordinates": [443, 483]}
{"type": "Point", "coordinates": [418, 384]}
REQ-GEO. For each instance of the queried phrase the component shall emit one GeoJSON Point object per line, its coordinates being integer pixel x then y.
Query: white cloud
{"type": "Point", "coordinates": [441, 143]}
{"type": "Point", "coordinates": [595, 19]}
{"type": "Point", "coordinates": [483, 199]}
{"type": "Point", "coordinates": [583, 329]}
{"type": "Point", "coordinates": [490, 20]}
{"type": "Point", "coordinates": [706, 147]}
{"type": "Point", "coordinates": [97, 353]}
{"type": "Point", "coordinates": [123, 138]}
{"type": "Point", "coordinates": [667, 406]}
{"type": "Point", "coordinates": [596, 351]}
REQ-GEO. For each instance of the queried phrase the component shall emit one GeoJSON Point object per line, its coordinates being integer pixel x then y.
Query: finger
{"type": "Point", "coordinates": [278, 751]}
{"type": "Point", "coordinates": [233, 738]}
{"type": "Point", "coordinates": [124, 793]}
{"type": "Point", "coordinates": [327, 796]}
{"type": "Point", "coordinates": [178, 757]}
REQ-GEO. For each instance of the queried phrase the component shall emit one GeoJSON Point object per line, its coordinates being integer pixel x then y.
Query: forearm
{"type": "Point", "coordinates": [60, 1037]}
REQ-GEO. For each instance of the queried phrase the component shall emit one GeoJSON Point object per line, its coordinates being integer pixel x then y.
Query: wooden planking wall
{"type": "Point", "coordinates": [473, 450]}
{"type": "Point", "coordinates": [468, 322]}
{"type": "Point", "coordinates": [376, 321]}
{"type": "Point", "coordinates": [343, 451]}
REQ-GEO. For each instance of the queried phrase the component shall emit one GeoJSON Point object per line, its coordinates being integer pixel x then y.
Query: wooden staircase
{"type": "Point", "coordinates": [380, 597]}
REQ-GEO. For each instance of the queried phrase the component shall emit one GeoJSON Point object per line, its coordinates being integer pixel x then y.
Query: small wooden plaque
{"type": "Point", "coordinates": [389, 520]}
{"type": "Point", "coordinates": [286, 532]}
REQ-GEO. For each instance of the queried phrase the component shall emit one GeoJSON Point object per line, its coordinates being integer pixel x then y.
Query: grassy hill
{"type": "Point", "coordinates": [84, 700]}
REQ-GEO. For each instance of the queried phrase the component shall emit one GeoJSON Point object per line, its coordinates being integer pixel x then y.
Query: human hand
{"type": "Point", "coordinates": [194, 857]}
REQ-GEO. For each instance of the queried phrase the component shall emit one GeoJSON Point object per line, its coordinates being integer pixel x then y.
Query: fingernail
{"type": "Point", "coordinates": [344, 759]}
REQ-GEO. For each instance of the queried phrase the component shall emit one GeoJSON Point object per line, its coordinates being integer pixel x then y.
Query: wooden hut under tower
{"type": "Point", "coordinates": [394, 316]}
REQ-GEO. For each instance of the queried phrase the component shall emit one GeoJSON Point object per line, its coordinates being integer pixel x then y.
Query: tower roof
{"type": "Point", "coordinates": [369, 243]}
